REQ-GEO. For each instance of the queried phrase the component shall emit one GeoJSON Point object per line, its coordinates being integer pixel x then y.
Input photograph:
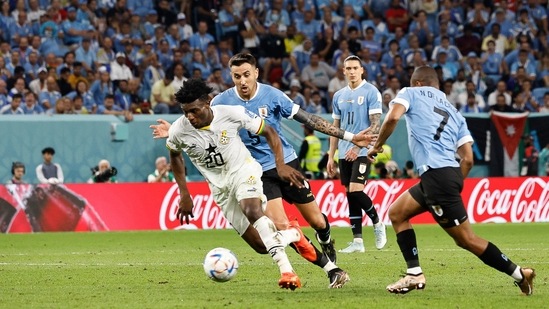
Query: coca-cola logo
{"type": "Point", "coordinates": [333, 202]}
{"type": "Point", "coordinates": [207, 215]}
{"type": "Point", "coordinates": [527, 203]}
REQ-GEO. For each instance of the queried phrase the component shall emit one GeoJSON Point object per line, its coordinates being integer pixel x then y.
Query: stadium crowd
{"type": "Point", "coordinates": [127, 57]}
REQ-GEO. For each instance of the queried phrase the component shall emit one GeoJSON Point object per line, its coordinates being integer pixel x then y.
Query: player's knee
{"type": "Point", "coordinates": [395, 216]}
{"type": "Point", "coordinates": [465, 241]}
{"type": "Point", "coordinates": [318, 222]}
{"type": "Point", "coordinates": [259, 248]}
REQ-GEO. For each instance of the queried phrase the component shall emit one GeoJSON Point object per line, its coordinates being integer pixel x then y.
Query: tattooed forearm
{"type": "Point", "coordinates": [375, 123]}
{"type": "Point", "coordinates": [320, 124]}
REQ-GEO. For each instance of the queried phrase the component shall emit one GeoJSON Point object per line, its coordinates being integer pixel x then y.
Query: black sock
{"type": "Point", "coordinates": [321, 259]}
{"type": "Point", "coordinates": [355, 213]}
{"type": "Point", "coordinates": [408, 246]}
{"type": "Point", "coordinates": [365, 203]}
{"type": "Point", "coordinates": [324, 234]}
{"type": "Point", "coordinates": [494, 258]}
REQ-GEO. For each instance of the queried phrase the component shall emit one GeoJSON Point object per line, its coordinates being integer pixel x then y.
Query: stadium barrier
{"type": "Point", "coordinates": [141, 206]}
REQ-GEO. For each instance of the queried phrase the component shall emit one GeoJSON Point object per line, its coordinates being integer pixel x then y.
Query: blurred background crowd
{"type": "Point", "coordinates": [127, 57]}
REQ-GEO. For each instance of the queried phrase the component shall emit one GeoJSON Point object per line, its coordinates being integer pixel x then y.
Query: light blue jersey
{"type": "Point", "coordinates": [436, 129]}
{"type": "Point", "coordinates": [353, 108]}
{"type": "Point", "coordinates": [272, 105]}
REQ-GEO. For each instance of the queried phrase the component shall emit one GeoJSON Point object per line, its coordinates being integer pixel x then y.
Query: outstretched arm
{"type": "Point", "coordinates": [185, 203]}
{"type": "Point", "coordinates": [317, 123]}
{"type": "Point", "coordinates": [161, 129]}
{"type": "Point", "coordinates": [391, 120]}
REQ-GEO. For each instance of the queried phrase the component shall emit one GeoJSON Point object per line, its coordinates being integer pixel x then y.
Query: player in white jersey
{"type": "Point", "coordinates": [273, 105]}
{"type": "Point", "coordinates": [355, 107]}
{"type": "Point", "coordinates": [209, 136]}
{"type": "Point", "coordinates": [435, 130]}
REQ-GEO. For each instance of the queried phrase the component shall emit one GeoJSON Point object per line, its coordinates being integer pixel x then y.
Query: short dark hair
{"type": "Point", "coordinates": [48, 150]}
{"type": "Point", "coordinates": [241, 58]}
{"type": "Point", "coordinates": [192, 90]}
{"type": "Point", "coordinates": [17, 96]}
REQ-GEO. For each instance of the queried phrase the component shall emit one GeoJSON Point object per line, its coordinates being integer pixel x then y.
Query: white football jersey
{"type": "Point", "coordinates": [216, 150]}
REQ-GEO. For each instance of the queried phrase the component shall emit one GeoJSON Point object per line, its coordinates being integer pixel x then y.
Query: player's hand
{"type": "Point", "coordinates": [364, 138]}
{"type": "Point", "coordinates": [352, 154]}
{"type": "Point", "coordinates": [330, 168]}
{"type": "Point", "coordinates": [185, 208]}
{"type": "Point", "coordinates": [291, 175]}
{"type": "Point", "coordinates": [161, 129]}
{"type": "Point", "coordinates": [372, 153]}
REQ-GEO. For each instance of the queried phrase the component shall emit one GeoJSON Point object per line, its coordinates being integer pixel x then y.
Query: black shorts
{"type": "Point", "coordinates": [439, 192]}
{"type": "Point", "coordinates": [274, 187]}
{"type": "Point", "coordinates": [356, 171]}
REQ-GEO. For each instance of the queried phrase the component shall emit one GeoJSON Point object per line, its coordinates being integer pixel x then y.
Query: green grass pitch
{"type": "Point", "coordinates": [163, 270]}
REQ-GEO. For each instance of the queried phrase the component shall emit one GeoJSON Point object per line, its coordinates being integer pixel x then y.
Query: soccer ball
{"type": "Point", "coordinates": [220, 264]}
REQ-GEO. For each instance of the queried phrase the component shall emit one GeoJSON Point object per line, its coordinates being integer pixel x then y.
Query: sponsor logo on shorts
{"type": "Point", "coordinates": [252, 190]}
{"type": "Point", "coordinates": [437, 210]}
{"type": "Point", "coordinates": [362, 168]}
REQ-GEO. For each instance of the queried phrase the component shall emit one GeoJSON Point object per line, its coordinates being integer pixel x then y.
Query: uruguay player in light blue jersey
{"type": "Point", "coordinates": [436, 130]}
{"type": "Point", "coordinates": [273, 105]}
{"type": "Point", "coordinates": [355, 108]}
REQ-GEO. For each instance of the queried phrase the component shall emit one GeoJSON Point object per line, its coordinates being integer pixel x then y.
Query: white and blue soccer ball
{"type": "Point", "coordinates": [220, 264]}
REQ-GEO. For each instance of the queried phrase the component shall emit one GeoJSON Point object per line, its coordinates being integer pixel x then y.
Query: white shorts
{"type": "Point", "coordinates": [244, 184]}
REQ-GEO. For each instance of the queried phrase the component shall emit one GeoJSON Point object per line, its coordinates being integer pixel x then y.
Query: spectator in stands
{"type": "Point", "coordinates": [140, 7]}
{"type": "Point", "coordinates": [373, 46]}
{"type": "Point", "coordinates": [251, 29]}
{"type": "Point", "coordinates": [122, 97]}
{"type": "Point", "coordinates": [336, 83]}
{"type": "Point", "coordinates": [501, 105]}
{"type": "Point", "coordinates": [49, 172]}
{"type": "Point", "coordinates": [109, 108]}
{"type": "Point", "coordinates": [119, 69]}
{"type": "Point", "coordinates": [201, 38]}
{"type": "Point", "coordinates": [452, 52]}
{"type": "Point", "coordinates": [538, 14]}
{"type": "Point", "coordinates": [200, 63]}
{"type": "Point", "coordinates": [524, 62]}
{"type": "Point", "coordinates": [162, 172]}
{"type": "Point", "coordinates": [295, 94]}
{"type": "Point", "coordinates": [317, 74]}
{"type": "Point", "coordinates": [422, 29]}
{"type": "Point", "coordinates": [63, 84]}
{"type": "Point", "coordinates": [393, 87]}
{"type": "Point", "coordinates": [14, 108]}
{"type": "Point", "coordinates": [74, 31]}
{"type": "Point", "coordinates": [20, 28]}
{"type": "Point", "coordinates": [414, 47]}
{"type": "Point", "coordinates": [17, 173]}
{"type": "Point", "coordinates": [471, 105]}
{"type": "Point", "coordinates": [39, 84]}
{"type": "Point", "coordinates": [86, 55]}
{"type": "Point", "coordinates": [273, 52]}
{"type": "Point", "coordinates": [81, 90]}
{"type": "Point", "coordinates": [185, 30]}
{"type": "Point", "coordinates": [316, 106]}
{"type": "Point", "coordinates": [102, 86]}
{"type": "Point", "coordinates": [162, 96]}
{"type": "Point", "coordinates": [48, 98]}
{"type": "Point", "coordinates": [471, 89]}
{"type": "Point", "coordinates": [105, 54]}
{"type": "Point", "coordinates": [3, 93]}
{"type": "Point", "coordinates": [544, 108]}
{"type": "Point", "coordinates": [30, 107]}
{"type": "Point", "coordinates": [178, 78]}
{"type": "Point", "coordinates": [397, 16]}
{"type": "Point", "coordinates": [501, 89]}
{"type": "Point", "coordinates": [387, 59]}
{"type": "Point", "coordinates": [524, 25]}
{"type": "Point", "coordinates": [78, 107]}
{"type": "Point", "coordinates": [469, 42]}
{"type": "Point", "coordinates": [525, 100]}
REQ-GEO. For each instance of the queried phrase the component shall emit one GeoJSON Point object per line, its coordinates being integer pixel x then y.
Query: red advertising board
{"type": "Point", "coordinates": [143, 206]}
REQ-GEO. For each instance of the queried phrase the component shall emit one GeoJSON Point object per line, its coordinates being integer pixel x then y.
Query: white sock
{"type": "Point", "coordinates": [290, 235]}
{"type": "Point", "coordinates": [329, 266]}
{"type": "Point", "coordinates": [378, 224]}
{"type": "Point", "coordinates": [517, 274]}
{"type": "Point", "coordinates": [273, 242]}
{"type": "Point", "coordinates": [414, 270]}
{"type": "Point", "coordinates": [358, 240]}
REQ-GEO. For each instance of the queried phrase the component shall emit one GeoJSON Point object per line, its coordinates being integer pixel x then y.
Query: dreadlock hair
{"type": "Point", "coordinates": [192, 90]}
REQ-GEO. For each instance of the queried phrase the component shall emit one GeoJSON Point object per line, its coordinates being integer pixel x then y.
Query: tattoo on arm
{"type": "Point", "coordinates": [320, 124]}
{"type": "Point", "coordinates": [375, 123]}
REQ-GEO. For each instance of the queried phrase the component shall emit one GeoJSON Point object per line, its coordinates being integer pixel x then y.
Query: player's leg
{"type": "Point", "coordinates": [446, 206]}
{"type": "Point", "coordinates": [407, 206]}
{"type": "Point", "coordinates": [356, 175]}
{"type": "Point", "coordinates": [305, 202]}
{"type": "Point", "coordinates": [244, 205]}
